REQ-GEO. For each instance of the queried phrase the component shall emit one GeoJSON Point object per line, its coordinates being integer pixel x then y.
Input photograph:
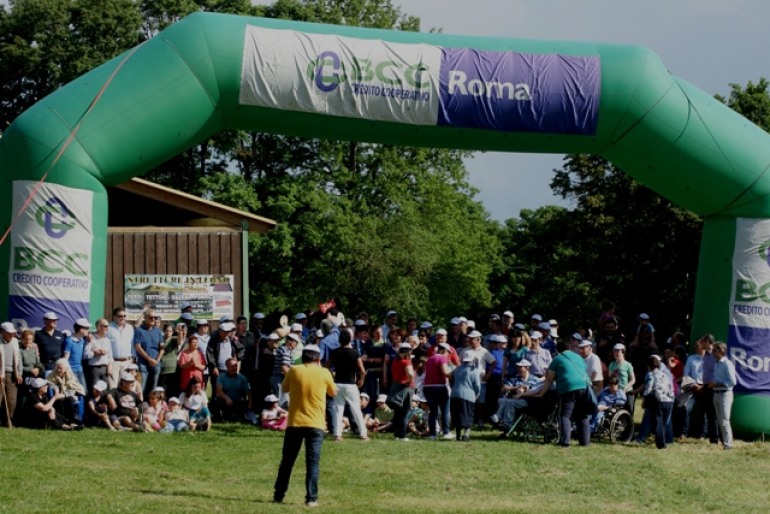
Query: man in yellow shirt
{"type": "Point", "coordinates": [308, 383]}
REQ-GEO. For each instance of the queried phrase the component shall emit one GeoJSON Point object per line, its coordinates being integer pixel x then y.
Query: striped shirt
{"type": "Point", "coordinates": [282, 358]}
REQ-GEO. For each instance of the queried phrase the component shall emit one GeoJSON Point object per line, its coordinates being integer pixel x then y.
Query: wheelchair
{"type": "Point", "coordinates": [537, 423]}
{"type": "Point", "coordinates": [617, 426]}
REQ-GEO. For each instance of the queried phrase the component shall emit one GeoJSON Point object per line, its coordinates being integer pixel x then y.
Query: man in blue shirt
{"type": "Point", "coordinates": [611, 396]}
{"type": "Point", "coordinates": [722, 388]}
{"type": "Point", "coordinates": [73, 348]}
{"type": "Point", "coordinates": [233, 393]}
{"type": "Point", "coordinates": [329, 342]}
{"type": "Point", "coordinates": [49, 341]}
{"type": "Point", "coordinates": [148, 343]}
{"type": "Point", "coordinates": [507, 404]}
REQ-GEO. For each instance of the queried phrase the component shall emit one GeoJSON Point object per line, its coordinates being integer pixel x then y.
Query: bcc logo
{"type": "Point", "coordinates": [55, 218]}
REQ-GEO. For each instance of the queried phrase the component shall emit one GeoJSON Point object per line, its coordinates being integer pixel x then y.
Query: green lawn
{"type": "Point", "coordinates": [232, 469]}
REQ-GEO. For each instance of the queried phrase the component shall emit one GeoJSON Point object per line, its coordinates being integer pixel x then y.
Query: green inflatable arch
{"type": "Point", "coordinates": [210, 72]}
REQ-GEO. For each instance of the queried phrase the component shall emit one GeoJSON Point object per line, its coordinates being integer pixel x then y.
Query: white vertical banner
{"type": "Point", "coordinates": [51, 246]}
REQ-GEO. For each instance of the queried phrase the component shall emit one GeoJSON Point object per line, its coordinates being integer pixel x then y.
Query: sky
{"type": "Point", "coordinates": [710, 43]}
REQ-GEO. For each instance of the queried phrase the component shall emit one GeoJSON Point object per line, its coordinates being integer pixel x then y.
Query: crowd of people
{"type": "Point", "coordinates": [413, 381]}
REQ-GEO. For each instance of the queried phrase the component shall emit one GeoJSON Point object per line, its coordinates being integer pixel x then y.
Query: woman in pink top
{"type": "Point", "coordinates": [436, 389]}
{"type": "Point", "coordinates": [191, 362]}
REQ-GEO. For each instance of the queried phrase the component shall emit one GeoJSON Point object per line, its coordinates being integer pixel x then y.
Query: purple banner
{"type": "Point", "coordinates": [31, 310]}
{"type": "Point", "coordinates": [749, 350]}
{"type": "Point", "coordinates": [514, 92]}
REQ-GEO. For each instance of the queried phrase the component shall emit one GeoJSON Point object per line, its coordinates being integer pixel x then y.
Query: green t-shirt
{"type": "Point", "coordinates": [570, 370]}
{"type": "Point", "coordinates": [622, 371]}
{"type": "Point", "coordinates": [168, 361]}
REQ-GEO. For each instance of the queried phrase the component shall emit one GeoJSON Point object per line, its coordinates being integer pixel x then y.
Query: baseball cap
{"type": "Point", "coordinates": [131, 366]}
{"type": "Point", "coordinates": [656, 356]}
{"type": "Point", "coordinates": [227, 326]}
{"type": "Point", "coordinates": [498, 338]}
{"type": "Point", "coordinates": [382, 398]}
{"type": "Point", "coordinates": [535, 335]}
{"type": "Point", "coordinates": [273, 337]}
{"type": "Point", "coordinates": [127, 377]}
{"type": "Point", "coordinates": [523, 363]}
{"type": "Point", "coordinates": [619, 346]}
{"type": "Point", "coordinates": [202, 322]}
{"type": "Point", "coordinates": [8, 327]}
{"type": "Point", "coordinates": [463, 319]}
{"type": "Point", "coordinates": [391, 313]}
{"type": "Point", "coordinates": [445, 346]}
{"type": "Point", "coordinates": [296, 327]}
{"type": "Point", "coordinates": [312, 348]}
{"type": "Point", "coordinates": [173, 399]}
{"type": "Point", "coordinates": [576, 337]}
{"type": "Point", "coordinates": [259, 315]}
{"type": "Point", "coordinates": [441, 332]}
{"type": "Point", "coordinates": [508, 314]}
{"type": "Point", "coordinates": [471, 323]}
{"type": "Point", "coordinates": [185, 305]}
{"type": "Point", "coordinates": [294, 337]}
{"type": "Point", "coordinates": [495, 317]}
{"type": "Point", "coordinates": [644, 315]}
{"type": "Point", "coordinates": [537, 317]}
{"type": "Point", "coordinates": [50, 315]}
{"type": "Point", "coordinates": [454, 321]}
{"type": "Point", "coordinates": [404, 346]}
{"type": "Point", "coordinates": [100, 386]}
{"type": "Point", "coordinates": [159, 389]}
{"type": "Point", "coordinates": [300, 316]}
{"type": "Point", "coordinates": [544, 326]}
{"type": "Point", "coordinates": [271, 398]}
{"type": "Point", "coordinates": [475, 334]}
{"type": "Point", "coordinates": [426, 325]}
{"type": "Point", "coordinates": [364, 395]}
{"type": "Point", "coordinates": [585, 343]}
{"type": "Point", "coordinates": [38, 383]}
{"type": "Point", "coordinates": [82, 322]}
{"type": "Point", "coordinates": [518, 326]}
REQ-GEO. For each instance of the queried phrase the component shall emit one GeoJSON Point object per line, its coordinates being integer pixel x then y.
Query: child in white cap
{"type": "Point", "coordinates": [274, 417]}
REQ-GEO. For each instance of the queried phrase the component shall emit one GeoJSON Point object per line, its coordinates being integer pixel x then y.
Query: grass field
{"type": "Point", "coordinates": [232, 468]}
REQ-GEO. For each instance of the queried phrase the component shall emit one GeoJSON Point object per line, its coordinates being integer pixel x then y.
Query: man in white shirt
{"type": "Point", "coordinates": [484, 362]}
{"type": "Point", "coordinates": [121, 336]}
{"type": "Point", "coordinates": [593, 364]}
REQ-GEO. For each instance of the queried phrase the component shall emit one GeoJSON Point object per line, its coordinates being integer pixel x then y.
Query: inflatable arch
{"type": "Point", "coordinates": [210, 72]}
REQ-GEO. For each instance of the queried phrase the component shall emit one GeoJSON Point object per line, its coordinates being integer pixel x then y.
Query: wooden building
{"type": "Point", "coordinates": [158, 230]}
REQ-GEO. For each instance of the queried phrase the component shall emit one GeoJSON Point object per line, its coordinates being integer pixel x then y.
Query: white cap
{"type": "Point", "coordinates": [475, 334]}
{"type": "Point", "coordinates": [296, 327]}
{"type": "Point", "coordinates": [227, 327]}
{"type": "Point", "coordinates": [391, 313]}
{"type": "Point", "coordinates": [656, 356]}
{"type": "Point", "coordinates": [300, 316]}
{"type": "Point", "coordinates": [445, 346]}
{"type": "Point", "coordinates": [185, 305]}
{"type": "Point", "coordinates": [273, 337]}
{"type": "Point", "coordinates": [537, 317]}
{"type": "Point", "coordinates": [523, 363]}
{"type": "Point", "coordinates": [364, 395]}
{"type": "Point", "coordinates": [463, 319]}
{"type": "Point", "coordinates": [508, 314]}
{"type": "Point", "coordinates": [471, 323]}
{"type": "Point", "coordinates": [535, 335]}
{"type": "Point", "coordinates": [498, 338]}
{"type": "Point", "coordinates": [8, 327]}
{"type": "Point", "coordinates": [404, 346]}
{"type": "Point", "coordinates": [454, 321]}
{"type": "Point", "coordinates": [312, 348]}
{"type": "Point", "coordinates": [159, 389]}
{"type": "Point", "coordinates": [441, 332]}
{"type": "Point", "coordinates": [585, 343]}
{"type": "Point", "coordinates": [50, 315]}
{"type": "Point", "coordinates": [202, 322]}
{"type": "Point", "coordinates": [552, 322]}
{"type": "Point", "coordinates": [131, 366]}
{"type": "Point", "coordinates": [187, 316]}
{"type": "Point", "coordinates": [644, 315]}
{"type": "Point", "coordinates": [225, 318]}
{"type": "Point", "coordinates": [259, 315]}
{"type": "Point", "coordinates": [195, 402]}
{"type": "Point", "coordinates": [294, 337]}
{"type": "Point", "coordinates": [100, 386]}
{"type": "Point", "coordinates": [382, 398]}
{"type": "Point", "coordinates": [173, 399]}
{"type": "Point", "coordinates": [619, 346]}
{"type": "Point", "coordinates": [319, 333]}
{"type": "Point", "coordinates": [127, 377]}
{"type": "Point", "coordinates": [468, 356]}
{"type": "Point", "coordinates": [359, 323]}
{"type": "Point", "coordinates": [38, 383]}
{"type": "Point", "coordinates": [271, 398]}
{"type": "Point", "coordinates": [82, 322]}
{"type": "Point", "coordinates": [426, 325]}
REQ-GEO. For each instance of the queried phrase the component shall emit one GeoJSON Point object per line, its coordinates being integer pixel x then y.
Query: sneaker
{"type": "Point", "coordinates": [448, 436]}
{"type": "Point", "coordinates": [465, 439]}
{"type": "Point", "coordinates": [494, 419]}
{"type": "Point", "coordinates": [403, 439]}
{"type": "Point", "coordinates": [311, 504]}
